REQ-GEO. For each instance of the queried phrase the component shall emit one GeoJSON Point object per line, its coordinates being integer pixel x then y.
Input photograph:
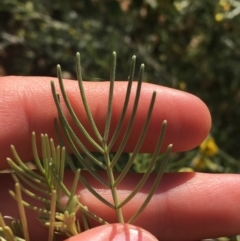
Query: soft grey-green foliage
{"type": "Point", "coordinates": [47, 184]}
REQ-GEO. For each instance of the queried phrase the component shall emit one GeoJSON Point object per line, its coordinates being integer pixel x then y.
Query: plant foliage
{"type": "Point", "coordinates": [47, 185]}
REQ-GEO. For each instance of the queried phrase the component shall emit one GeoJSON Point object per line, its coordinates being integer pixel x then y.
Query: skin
{"type": "Point", "coordinates": [186, 206]}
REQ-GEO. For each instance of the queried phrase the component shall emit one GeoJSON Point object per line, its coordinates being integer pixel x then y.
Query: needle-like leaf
{"type": "Point", "coordinates": [84, 99]}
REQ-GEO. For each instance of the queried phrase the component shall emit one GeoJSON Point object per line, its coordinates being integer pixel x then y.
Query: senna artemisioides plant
{"type": "Point", "coordinates": [46, 185]}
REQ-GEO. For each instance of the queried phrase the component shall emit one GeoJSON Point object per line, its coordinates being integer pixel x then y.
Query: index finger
{"type": "Point", "coordinates": [26, 105]}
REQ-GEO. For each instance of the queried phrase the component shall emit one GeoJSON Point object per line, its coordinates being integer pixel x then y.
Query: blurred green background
{"type": "Point", "coordinates": [189, 45]}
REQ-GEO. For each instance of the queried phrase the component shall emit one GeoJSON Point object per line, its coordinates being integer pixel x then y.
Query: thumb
{"type": "Point", "coordinates": [115, 232]}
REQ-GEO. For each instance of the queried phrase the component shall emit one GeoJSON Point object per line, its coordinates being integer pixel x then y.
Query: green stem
{"type": "Point", "coordinates": [113, 189]}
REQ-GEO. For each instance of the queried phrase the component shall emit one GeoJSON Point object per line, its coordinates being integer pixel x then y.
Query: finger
{"type": "Point", "coordinates": [186, 206]}
{"type": "Point", "coordinates": [115, 231]}
{"type": "Point", "coordinates": [26, 105]}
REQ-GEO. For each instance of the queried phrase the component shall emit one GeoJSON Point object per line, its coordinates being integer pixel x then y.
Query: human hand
{"type": "Point", "coordinates": [186, 206]}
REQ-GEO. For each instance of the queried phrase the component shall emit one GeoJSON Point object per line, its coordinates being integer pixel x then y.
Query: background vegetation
{"type": "Point", "coordinates": [189, 45]}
